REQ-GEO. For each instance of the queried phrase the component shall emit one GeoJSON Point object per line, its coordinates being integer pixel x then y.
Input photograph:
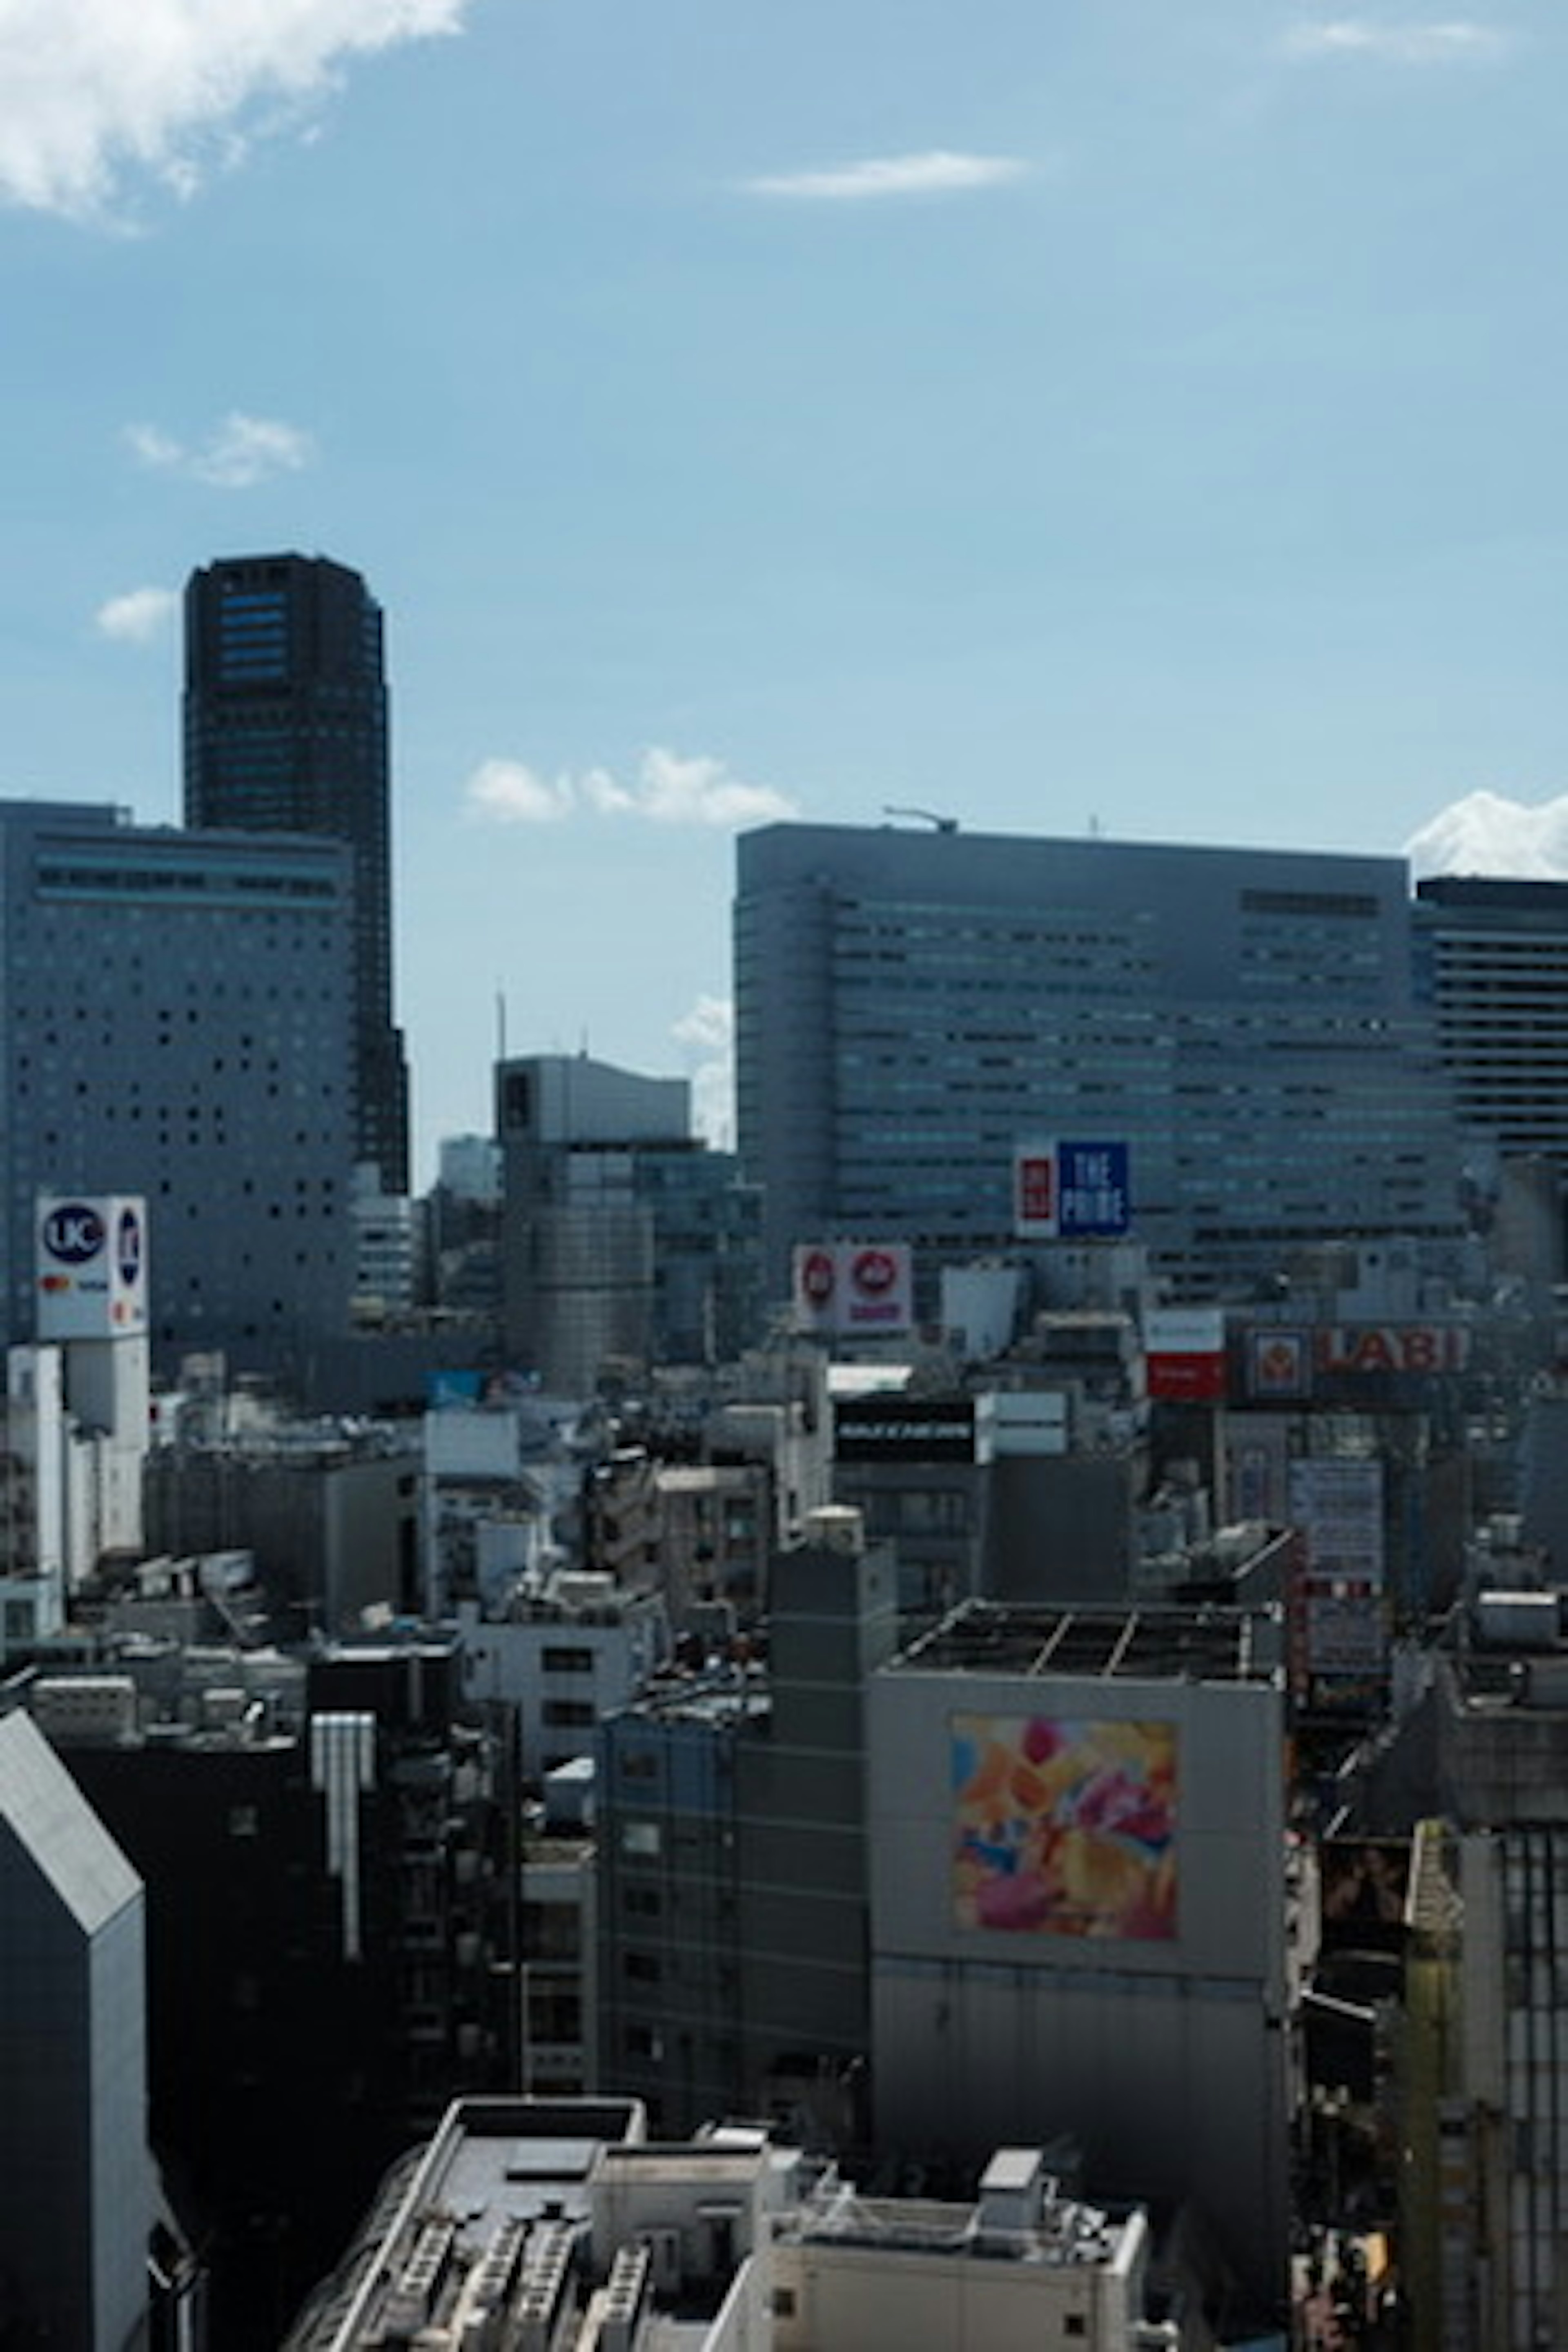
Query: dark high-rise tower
{"type": "Point", "coordinates": [286, 731]}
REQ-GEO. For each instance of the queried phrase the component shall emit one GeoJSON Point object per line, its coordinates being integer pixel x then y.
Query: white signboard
{"type": "Point", "coordinates": [90, 1255]}
{"type": "Point", "coordinates": [849, 1290]}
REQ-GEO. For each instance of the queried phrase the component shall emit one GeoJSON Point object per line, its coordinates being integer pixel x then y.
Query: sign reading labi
{"type": "Point", "coordinates": [1071, 1191]}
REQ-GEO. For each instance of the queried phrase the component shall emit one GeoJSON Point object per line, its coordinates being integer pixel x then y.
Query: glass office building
{"type": "Point", "coordinates": [914, 1008]}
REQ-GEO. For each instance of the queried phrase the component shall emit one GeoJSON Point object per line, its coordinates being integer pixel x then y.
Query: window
{"type": "Point", "coordinates": [640, 1968]}
{"type": "Point", "coordinates": [641, 1837]}
{"type": "Point", "coordinates": [563, 1659]}
{"type": "Point", "coordinates": [784, 2302]}
{"type": "Point", "coordinates": [576, 1712]}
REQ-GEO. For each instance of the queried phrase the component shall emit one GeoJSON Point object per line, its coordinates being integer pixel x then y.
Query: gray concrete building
{"type": "Point", "coordinates": [175, 1022]}
{"type": "Point", "coordinates": [76, 2179]}
{"type": "Point", "coordinates": [913, 1007]}
{"type": "Point", "coordinates": [734, 1866]}
{"type": "Point", "coordinates": [1075, 1837]}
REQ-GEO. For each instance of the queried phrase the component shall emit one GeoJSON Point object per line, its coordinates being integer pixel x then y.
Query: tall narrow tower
{"type": "Point", "coordinates": [286, 730]}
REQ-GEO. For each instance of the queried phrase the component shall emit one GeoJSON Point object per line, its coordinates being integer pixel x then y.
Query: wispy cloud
{"type": "Point", "coordinates": [666, 790]}
{"type": "Point", "coordinates": [1486, 833]}
{"type": "Point", "coordinates": [95, 93]}
{"type": "Point", "coordinates": [239, 452]}
{"type": "Point", "coordinates": [137, 618]}
{"type": "Point", "coordinates": [1457, 41]}
{"type": "Point", "coordinates": [937, 172]}
{"type": "Point", "coordinates": [707, 1035]}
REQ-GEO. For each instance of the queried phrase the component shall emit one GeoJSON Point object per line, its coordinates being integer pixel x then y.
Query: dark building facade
{"type": "Point", "coordinates": [328, 1942]}
{"type": "Point", "coordinates": [286, 730]}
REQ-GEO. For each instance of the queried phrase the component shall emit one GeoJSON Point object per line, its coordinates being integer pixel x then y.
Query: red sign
{"type": "Point", "coordinates": [1037, 1182]}
{"type": "Point", "coordinates": [1394, 1348]}
{"type": "Point", "coordinates": [1187, 1380]}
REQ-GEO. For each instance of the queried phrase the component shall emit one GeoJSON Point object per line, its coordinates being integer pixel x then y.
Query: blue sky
{"type": "Point", "coordinates": [1099, 413]}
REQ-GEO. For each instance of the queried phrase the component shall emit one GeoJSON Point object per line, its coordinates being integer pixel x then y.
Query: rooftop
{"type": "Point", "coordinates": [1208, 1644]}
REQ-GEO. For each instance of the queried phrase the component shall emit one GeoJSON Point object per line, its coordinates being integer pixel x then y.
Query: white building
{"type": "Point", "coordinates": [525, 2223]}
{"type": "Point", "coordinates": [564, 1653]}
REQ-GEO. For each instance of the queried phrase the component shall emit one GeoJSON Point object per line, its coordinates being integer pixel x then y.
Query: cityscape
{"type": "Point", "coordinates": [783, 1186]}
{"type": "Point", "coordinates": [950, 1725]}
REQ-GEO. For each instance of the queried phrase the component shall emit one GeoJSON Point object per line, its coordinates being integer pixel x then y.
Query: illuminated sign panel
{"type": "Point", "coordinates": [1065, 1826]}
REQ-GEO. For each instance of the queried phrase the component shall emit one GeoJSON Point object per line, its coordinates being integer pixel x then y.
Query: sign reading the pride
{"type": "Point", "coordinates": [1071, 1191]}
{"type": "Point", "coordinates": [1065, 1826]}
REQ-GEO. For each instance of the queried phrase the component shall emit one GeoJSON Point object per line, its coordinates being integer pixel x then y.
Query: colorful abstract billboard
{"type": "Point", "coordinates": [1064, 1827]}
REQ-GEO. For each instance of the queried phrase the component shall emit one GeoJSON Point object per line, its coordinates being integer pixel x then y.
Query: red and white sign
{"type": "Point", "coordinates": [1184, 1353]}
{"type": "Point", "coordinates": [1035, 1195]}
{"type": "Point", "coordinates": [844, 1289]}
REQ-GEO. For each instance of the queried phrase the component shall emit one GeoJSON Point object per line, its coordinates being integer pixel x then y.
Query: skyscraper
{"type": "Point", "coordinates": [1494, 960]}
{"type": "Point", "coordinates": [286, 730]}
{"type": "Point", "coordinates": [911, 1008]}
{"type": "Point", "coordinates": [177, 1025]}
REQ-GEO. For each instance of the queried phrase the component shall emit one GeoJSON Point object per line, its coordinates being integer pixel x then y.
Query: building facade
{"type": "Point", "coordinates": [912, 1009]}
{"type": "Point", "coordinates": [624, 1241]}
{"type": "Point", "coordinates": [76, 2178]}
{"type": "Point", "coordinates": [1076, 1837]}
{"type": "Point", "coordinates": [176, 1022]}
{"type": "Point", "coordinates": [286, 731]}
{"type": "Point", "coordinates": [1494, 958]}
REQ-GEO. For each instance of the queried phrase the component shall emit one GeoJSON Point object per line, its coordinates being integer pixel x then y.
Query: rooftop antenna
{"type": "Point", "coordinates": [500, 1024]}
{"type": "Point", "coordinates": [927, 816]}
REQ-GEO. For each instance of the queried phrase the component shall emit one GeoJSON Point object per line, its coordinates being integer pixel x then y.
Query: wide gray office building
{"type": "Point", "coordinates": [913, 1008]}
{"type": "Point", "coordinates": [176, 1021]}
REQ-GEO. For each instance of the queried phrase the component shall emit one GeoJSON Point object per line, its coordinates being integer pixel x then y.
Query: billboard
{"type": "Point", "coordinates": [1337, 1503]}
{"type": "Point", "coordinates": [848, 1289]}
{"type": "Point", "coordinates": [1071, 1191]}
{"type": "Point", "coordinates": [1064, 1826]}
{"type": "Point", "coordinates": [1183, 1350]}
{"type": "Point", "coordinates": [90, 1260]}
{"type": "Point", "coordinates": [1290, 1364]}
{"type": "Point", "coordinates": [913, 1428]}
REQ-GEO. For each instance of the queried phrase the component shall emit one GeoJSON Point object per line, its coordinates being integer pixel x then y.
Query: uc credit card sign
{"type": "Point", "coordinates": [1071, 1191]}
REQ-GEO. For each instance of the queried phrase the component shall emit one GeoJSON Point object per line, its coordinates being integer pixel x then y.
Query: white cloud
{"type": "Point", "coordinates": [708, 1034]}
{"type": "Point", "coordinates": [239, 452]}
{"type": "Point", "coordinates": [667, 790]}
{"type": "Point", "coordinates": [511, 793]}
{"type": "Point", "coordinates": [937, 172]}
{"type": "Point", "coordinates": [139, 616]}
{"type": "Point", "coordinates": [1455, 41]}
{"type": "Point", "coordinates": [1486, 833]}
{"type": "Point", "coordinates": [94, 90]}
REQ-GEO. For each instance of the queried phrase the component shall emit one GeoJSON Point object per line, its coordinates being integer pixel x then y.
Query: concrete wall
{"type": "Point", "coordinates": [1162, 2054]}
